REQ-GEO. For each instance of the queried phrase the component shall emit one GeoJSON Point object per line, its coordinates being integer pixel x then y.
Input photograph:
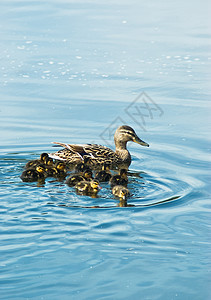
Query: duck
{"type": "Point", "coordinates": [97, 155]}
{"type": "Point", "coordinates": [31, 175]}
{"type": "Point", "coordinates": [88, 187]}
{"type": "Point", "coordinates": [72, 180]}
{"type": "Point", "coordinates": [49, 162]}
{"type": "Point", "coordinates": [82, 166]}
{"type": "Point", "coordinates": [57, 170]}
{"type": "Point", "coordinates": [121, 192]}
{"type": "Point", "coordinates": [120, 179]}
{"type": "Point", "coordinates": [36, 162]}
{"type": "Point", "coordinates": [61, 169]}
{"type": "Point", "coordinates": [104, 175]}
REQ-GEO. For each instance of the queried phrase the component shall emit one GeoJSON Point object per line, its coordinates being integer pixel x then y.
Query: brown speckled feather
{"type": "Point", "coordinates": [97, 155]}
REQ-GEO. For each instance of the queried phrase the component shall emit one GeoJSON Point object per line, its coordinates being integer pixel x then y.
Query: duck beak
{"type": "Point", "coordinates": [139, 141]}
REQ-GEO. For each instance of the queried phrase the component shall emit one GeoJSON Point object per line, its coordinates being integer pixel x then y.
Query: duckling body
{"type": "Point", "coordinates": [104, 175]}
{"type": "Point", "coordinates": [36, 162]}
{"type": "Point", "coordinates": [120, 179]}
{"type": "Point", "coordinates": [31, 175]}
{"type": "Point", "coordinates": [87, 187]}
{"type": "Point", "coordinates": [120, 191]}
{"type": "Point", "coordinates": [82, 166]}
{"type": "Point", "coordinates": [97, 155]}
{"type": "Point", "coordinates": [57, 170]}
{"type": "Point", "coordinates": [72, 180]}
{"type": "Point", "coordinates": [61, 169]}
{"type": "Point", "coordinates": [49, 162]}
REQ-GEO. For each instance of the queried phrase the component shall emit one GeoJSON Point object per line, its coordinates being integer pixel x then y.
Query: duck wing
{"type": "Point", "coordinates": [91, 150]}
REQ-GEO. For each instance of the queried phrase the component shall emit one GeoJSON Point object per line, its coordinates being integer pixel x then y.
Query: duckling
{"type": "Point", "coordinates": [49, 162]}
{"type": "Point", "coordinates": [104, 175]}
{"type": "Point", "coordinates": [61, 169]}
{"type": "Point", "coordinates": [72, 180]}
{"type": "Point", "coordinates": [123, 203]}
{"type": "Point", "coordinates": [121, 192]}
{"type": "Point", "coordinates": [35, 162]}
{"type": "Point", "coordinates": [88, 175]}
{"type": "Point", "coordinates": [31, 175]}
{"type": "Point", "coordinates": [82, 166]}
{"type": "Point", "coordinates": [88, 187]}
{"type": "Point", "coordinates": [57, 170]}
{"type": "Point", "coordinates": [120, 179]}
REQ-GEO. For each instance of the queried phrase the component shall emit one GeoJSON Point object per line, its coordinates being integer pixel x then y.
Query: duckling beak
{"type": "Point", "coordinates": [96, 186]}
{"type": "Point", "coordinates": [123, 197]}
{"type": "Point", "coordinates": [139, 141]}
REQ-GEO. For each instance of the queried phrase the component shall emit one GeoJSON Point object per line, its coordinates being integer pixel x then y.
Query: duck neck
{"type": "Point", "coordinates": [123, 153]}
{"type": "Point", "coordinates": [120, 145]}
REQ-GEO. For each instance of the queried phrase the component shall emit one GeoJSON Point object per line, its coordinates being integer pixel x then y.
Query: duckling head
{"type": "Point", "coordinates": [60, 166]}
{"type": "Point", "coordinates": [94, 184]}
{"type": "Point", "coordinates": [88, 174]}
{"type": "Point", "coordinates": [40, 169]}
{"type": "Point", "coordinates": [123, 194]}
{"type": "Point", "coordinates": [49, 161]}
{"type": "Point", "coordinates": [105, 167]}
{"type": "Point", "coordinates": [30, 173]}
{"type": "Point", "coordinates": [43, 156]}
{"type": "Point", "coordinates": [80, 167]}
{"type": "Point", "coordinates": [123, 173]}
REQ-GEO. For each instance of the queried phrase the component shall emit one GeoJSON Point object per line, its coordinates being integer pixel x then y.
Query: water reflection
{"type": "Point", "coordinates": [124, 203]}
{"type": "Point", "coordinates": [145, 190]}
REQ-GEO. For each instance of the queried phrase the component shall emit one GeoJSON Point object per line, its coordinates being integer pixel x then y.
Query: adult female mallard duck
{"type": "Point", "coordinates": [97, 155]}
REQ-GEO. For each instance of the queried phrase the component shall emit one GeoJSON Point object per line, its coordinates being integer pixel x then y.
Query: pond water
{"type": "Point", "coordinates": [73, 71]}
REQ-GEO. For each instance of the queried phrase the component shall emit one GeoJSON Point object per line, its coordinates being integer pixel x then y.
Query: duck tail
{"type": "Point", "coordinates": [55, 156]}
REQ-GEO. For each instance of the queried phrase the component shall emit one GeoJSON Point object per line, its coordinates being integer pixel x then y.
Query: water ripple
{"type": "Point", "coordinates": [155, 186]}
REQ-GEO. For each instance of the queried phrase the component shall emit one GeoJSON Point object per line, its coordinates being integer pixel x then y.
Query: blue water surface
{"type": "Point", "coordinates": [73, 71]}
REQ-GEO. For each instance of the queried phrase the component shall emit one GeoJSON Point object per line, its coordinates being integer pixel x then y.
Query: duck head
{"type": "Point", "coordinates": [126, 134]}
